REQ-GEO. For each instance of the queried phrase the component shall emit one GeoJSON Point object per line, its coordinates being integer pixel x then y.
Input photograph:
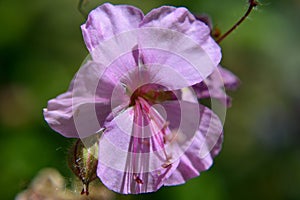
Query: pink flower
{"type": "Point", "coordinates": [136, 90]}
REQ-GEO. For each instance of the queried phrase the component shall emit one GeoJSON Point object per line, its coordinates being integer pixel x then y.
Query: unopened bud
{"type": "Point", "coordinates": [83, 160]}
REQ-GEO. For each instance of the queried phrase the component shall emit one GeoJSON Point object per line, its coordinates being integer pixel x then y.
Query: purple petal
{"type": "Point", "coordinates": [231, 81]}
{"type": "Point", "coordinates": [172, 38]}
{"type": "Point", "coordinates": [213, 86]}
{"type": "Point", "coordinates": [175, 70]}
{"type": "Point", "coordinates": [181, 20]}
{"type": "Point", "coordinates": [205, 19]}
{"type": "Point", "coordinates": [107, 21]}
{"type": "Point", "coordinates": [73, 114]}
{"type": "Point", "coordinates": [58, 115]}
{"type": "Point", "coordinates": [213, 50]}
{"type": "Point", "coordinates": [166, 76]}
{"type": "Point", "coordinates": [177, 19]}
{"type": "Point", "coordinates": [199, 156]}
{"type": "Point", "coordinates": [131, 155]}
{"type": "Point", "coordinates": [134, 183]}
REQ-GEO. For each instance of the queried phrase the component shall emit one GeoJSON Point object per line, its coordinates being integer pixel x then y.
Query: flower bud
{"type": "Point", "coordinates": [83, 160]}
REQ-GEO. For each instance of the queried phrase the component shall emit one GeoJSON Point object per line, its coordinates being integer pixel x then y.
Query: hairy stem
{"type": "Point", "coordinates": [252, 4]}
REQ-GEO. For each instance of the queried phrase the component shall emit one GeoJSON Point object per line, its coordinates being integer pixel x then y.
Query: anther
{"type": "Point", "coordinates": [166, 165]}
{"type": "Point", "coordinates": [138, 180]}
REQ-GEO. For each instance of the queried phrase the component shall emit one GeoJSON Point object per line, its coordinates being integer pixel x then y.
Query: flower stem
{"type": "Point", "coordinates": [252, 4]}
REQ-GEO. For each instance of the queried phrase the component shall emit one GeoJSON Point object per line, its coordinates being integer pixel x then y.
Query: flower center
{"type": "Point", "coordinates": [152, 93]}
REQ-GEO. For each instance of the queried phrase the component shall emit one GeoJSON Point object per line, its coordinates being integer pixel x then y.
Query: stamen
{"type": "Point", "coordinates": [252, 4]}
{"type": "Point", "coordinates": [166, 165]}
{"type": "Point", "coordinates": [163, 130]}
{"type": "Point", "coordinates": [137, 179]}
{"type": "Point", "coordinates": [168, 162]}
{"type": "Point", "coordinates": [159, 124]}
{"type": "Point", "coordinates": [171, 137]}
{"type": "Point", "coordinates": [146, 142]}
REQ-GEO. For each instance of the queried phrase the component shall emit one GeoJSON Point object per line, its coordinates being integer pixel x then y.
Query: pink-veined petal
{"type": "Point", "coordinates": [109, 20]}
{"type": "Point", "coordinates": [215, 85]}
{"type": "Point", "coordinates": [181, 20]}
{"type": "Point", "coordinates": [231, 81]}
{"type": "Point", "coordinates": [132, 159]}
{"type": "Point", "coordinates": [199, 156]}
{"type": "Point", "coordinates": [73, 114]}
{"type": "Point", "coordinates": [134, 183]}
{"type": "Point", "coordinates": [177, 19]}
{"type": "Point", "coordinates": [213, 50]}
{"type": "Point", "coordinates": [172, 38]}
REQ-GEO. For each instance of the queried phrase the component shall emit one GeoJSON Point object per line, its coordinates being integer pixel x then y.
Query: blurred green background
{"type": "Point", "coordinates": [41, 48]}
